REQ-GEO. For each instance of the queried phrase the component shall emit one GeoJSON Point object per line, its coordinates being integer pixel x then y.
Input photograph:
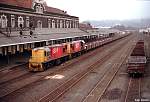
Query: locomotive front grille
{"type": "Point", "coordinates": [35, 65]}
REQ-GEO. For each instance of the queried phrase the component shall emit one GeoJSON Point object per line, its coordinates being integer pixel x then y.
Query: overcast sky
{"type": "Point", "coordinates": [104, 9]}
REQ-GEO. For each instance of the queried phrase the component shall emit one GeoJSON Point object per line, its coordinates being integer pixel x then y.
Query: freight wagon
{"type": "Point", "coordinates": [137, 60]}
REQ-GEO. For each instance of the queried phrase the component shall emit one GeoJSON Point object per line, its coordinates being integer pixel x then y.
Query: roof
{"type": "Point", "coordinates": [19, 3]}
{"type": "Point", "coordinates": [55, 10]}
{"type": "Point", "coordinates": [28, 4]}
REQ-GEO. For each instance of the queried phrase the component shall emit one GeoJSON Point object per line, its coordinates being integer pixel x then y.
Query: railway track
{"type": "Point", "coordinates": [76, 91]}
{"type": "Point", "coordinates": [101, 87]}
{"type": "Point", "coordinates": [19, 68]}
{"type": "Point", "coordinates": [13, 69]}
{"type": "Point", "coordinates": [56, 93]}
{"type": "Point", "coordinates": [133, 93]}
{"type": "Point", "coordinates": [57, 70]}
{"type": "Point", "coordinates": [8, 73]}
{"type": "Point", "coordinates": [28, 75]}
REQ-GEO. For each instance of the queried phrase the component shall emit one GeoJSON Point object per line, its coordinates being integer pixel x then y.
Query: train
{"type": "Point", "coordinates": [44, 57]}
{"type": "Point", "coordinates": [137, 60]}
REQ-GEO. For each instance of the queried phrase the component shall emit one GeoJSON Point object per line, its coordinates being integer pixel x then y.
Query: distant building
{"type": "Point", "coordinates": [85, 26]}
{"type": "Point", "coordinates": [25, 14]}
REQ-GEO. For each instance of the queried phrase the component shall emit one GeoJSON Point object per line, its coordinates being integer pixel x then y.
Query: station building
{"type": "Point", "coordinates": [27, 24]}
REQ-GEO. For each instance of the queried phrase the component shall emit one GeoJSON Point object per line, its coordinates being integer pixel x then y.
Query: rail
{"type": "Point", "coordinates": [56, 93]}
{"type": "Point", "coordinates": [134, 90]}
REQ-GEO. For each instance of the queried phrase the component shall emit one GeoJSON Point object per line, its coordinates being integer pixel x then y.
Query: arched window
{"type": "Point", "coordinates": [39, 24]}
{"type": "Point", "coordinates": [27, 21]}
{"type": "Point", "coordinates": [71, 24]}
{"type": "Point", "coordinates": [39, 8]}
{"type": "Point", "coordinates": [20, 21]}
{"type": "Point", "coordinates": [58, 23]}
{"type": "Point", "coordinates": [67, 24]}
{"type": "Point", "coordinates": [3, 21]}
{"type": "Point", "coordinates": [12, 21]}
{"type": "Point", "coordinates": [49, 23]}
{"type": "Point", "coordinates": [61, 24]}
{"type": "Point", "coordinates": [53, 23]}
